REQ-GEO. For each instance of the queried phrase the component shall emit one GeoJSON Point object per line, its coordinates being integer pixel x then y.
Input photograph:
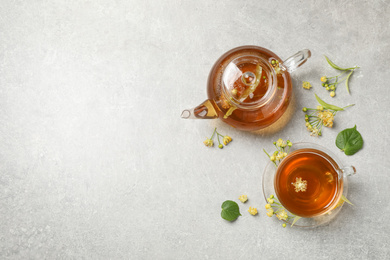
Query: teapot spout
{"type": "Point", "coordinates": [205, 110]}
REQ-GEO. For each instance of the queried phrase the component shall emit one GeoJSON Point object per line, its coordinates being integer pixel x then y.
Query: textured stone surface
{"type": "Point", "coordinates": [96, 163]}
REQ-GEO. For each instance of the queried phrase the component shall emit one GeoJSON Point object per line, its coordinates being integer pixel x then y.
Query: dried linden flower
{"type": "Point", "coordinates": [243, 198]}
{"type": "Point", "coordinates": [322, 115]}
{"type": "Point", "coordinates": [282, 215]}
{"type": "Point", "coordinates": [300, 185]}
{"type": "Point", "coordinates": [279, 142]}
{"type": "Point", "coordinates": [226, 139]}
{"type": "Point", "coordinates": [252, 211]}
{"type": "Point", "coordinates": [208, 142]}
{"type": "Point", "coordinates": [327, 118]}
{"type": "Point", "coordinates": [270, 212]}
{"type": "Point", "coordinates": [306, 85]}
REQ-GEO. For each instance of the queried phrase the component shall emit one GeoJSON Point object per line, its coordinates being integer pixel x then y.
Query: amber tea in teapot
{"type": "Point", "coordinates": [248, 88]}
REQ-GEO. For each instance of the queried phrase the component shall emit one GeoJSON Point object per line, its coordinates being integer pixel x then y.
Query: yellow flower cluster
{"type": "Point", "coordinates": [243, 198]}
{"type": "Point", "coordinates": [274, 207]}
{"type": "Point", "coordinates": [252, 211]}
{"type": "Point", "coordinates": [306, 85]}
{"type": "Point", "coordinates": [327, 118]}
{"type": "Point", "coordinates": [281, 143]}
{"type": "Point", "coordinates": [282, 215]}
{"type": "Point", "coordinates": [281, 152]}
{"type": "Point", "coordinates": [278, 157]}
{"type": "Point", "coordinates": [275, 64]}
{"type": "Point", "coordinates": [300, 185]}
{"type": "Point", "coordinates": [270, 210]}
{"type": "Point", "coordinates": [318, 117]}
{"type": "Point", "coordinates": [208, 143]}
{"type": "Point", "coordinates": [225, 139]}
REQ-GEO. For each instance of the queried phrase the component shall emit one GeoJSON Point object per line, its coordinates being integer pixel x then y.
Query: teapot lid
{"type": "Point", "coordinates": [249, 81]}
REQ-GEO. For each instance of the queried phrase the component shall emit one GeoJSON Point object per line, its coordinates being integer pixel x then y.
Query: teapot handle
{"type": "Point", "coordinates": [296, 60]}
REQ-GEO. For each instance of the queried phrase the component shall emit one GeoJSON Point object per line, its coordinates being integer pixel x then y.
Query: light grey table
{"type": "Point", "coordinates": [96, 163]}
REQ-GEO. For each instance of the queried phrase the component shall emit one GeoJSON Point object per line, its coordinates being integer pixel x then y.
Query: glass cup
{"type": "Point", "coordinates": [309, 183]}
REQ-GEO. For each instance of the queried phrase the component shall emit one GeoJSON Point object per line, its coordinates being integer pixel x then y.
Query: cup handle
{"type": "Point", "coordinates": [296, 60]}
{"type": "Point", "coordinates": [348, 171]}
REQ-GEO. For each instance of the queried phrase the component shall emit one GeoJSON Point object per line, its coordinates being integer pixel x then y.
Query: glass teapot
{"type": "Point", "coordinates": [249, 88]}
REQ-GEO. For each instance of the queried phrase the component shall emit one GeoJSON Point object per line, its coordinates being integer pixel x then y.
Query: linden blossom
{"type": "Point", "coordinates": [322, 115]}
{"type": "Point", "coordinates": [300, 185]}
{"type": "Point", "coordinates": [330, 83]}
{"type": "Point", "coordinates": [281, 151]}
{"type": "Point", "coordinates": [225, 139]}
{"type": "Point", "coordinates": [275, 208]}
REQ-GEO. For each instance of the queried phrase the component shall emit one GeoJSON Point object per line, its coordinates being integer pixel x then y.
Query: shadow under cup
{"type": "Point", "coordinates": [308, 182]}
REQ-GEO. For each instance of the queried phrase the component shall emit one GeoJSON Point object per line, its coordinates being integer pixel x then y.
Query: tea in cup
{"type": "Point", "coordinates": [309, 181]}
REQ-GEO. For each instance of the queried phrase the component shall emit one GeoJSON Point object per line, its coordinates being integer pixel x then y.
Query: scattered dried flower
{"type": "Point", "coordinates": [252, 211]}
{"type": "Point", "coordinates": [225, 139]}
{"type": "Point", "coordinates": [243, 198]}
{"type": "Point", "coordinates": [306, 85]}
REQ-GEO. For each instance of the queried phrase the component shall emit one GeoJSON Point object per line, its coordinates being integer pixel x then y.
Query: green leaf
{"type": "Point", "coordinates": [295, 220]}
{"type": "Point", "coordinates": [335, 66]}
{"type": "Point", "coordinates": [230, 210]}
{"type": "Point", "coordinates": [349, 140]}
{"type": "Point", "coordinates": [328, 106]}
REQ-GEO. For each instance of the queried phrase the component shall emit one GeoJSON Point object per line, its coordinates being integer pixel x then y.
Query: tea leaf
{"type": "Point", "coordinates": [328, 106]}
{"type": "Point", "coordinates": [230, 210]}
{"type": "Point", "coordinates": [335, 66]}
{"type": "Point", "coordinates": [349, 140]}
{"type": "Point", "coordinates": [295, 220]}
